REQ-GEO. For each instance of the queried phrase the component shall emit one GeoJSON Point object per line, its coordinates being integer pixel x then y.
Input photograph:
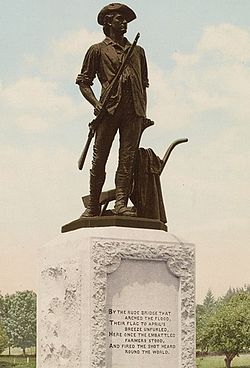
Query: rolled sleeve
{"type": "Point", "coordinates": [89, 67]}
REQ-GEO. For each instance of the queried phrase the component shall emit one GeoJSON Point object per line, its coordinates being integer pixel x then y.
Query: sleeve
{"type": "Point", "coordinates": [144, 69]}
{"type": "Point", "coordinates": [89, 67]}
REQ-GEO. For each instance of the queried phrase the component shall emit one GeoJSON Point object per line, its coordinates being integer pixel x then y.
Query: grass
{"type": "Point", "coordinates": [208, 362]}
{"type": "Point", "coordinates": [242, 361]}
{"type": "Point", "coordinates": [17, 362]}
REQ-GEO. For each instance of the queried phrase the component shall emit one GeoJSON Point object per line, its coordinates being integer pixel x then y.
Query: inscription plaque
{"type": "Point", "coordinates": [142, 315]}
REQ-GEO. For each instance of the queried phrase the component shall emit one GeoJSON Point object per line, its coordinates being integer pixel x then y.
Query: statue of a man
{"type": "Point", "coordinates": [125, 110]}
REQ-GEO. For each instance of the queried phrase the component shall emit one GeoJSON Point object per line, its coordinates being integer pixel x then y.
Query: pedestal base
{"type": "Point", "coordinates": [116, 298]}
{"type": "Point", "coordinates": [123, 221]}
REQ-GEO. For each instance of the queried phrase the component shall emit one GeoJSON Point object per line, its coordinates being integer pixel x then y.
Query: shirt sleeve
{"type": "Point", "coordinates": [89, 67]}
{"type": "Point", "coordinates": [145, 80]}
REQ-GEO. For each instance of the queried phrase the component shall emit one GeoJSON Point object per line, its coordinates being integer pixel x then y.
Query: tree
{"type": "Point", "coordinates": [1, 305]}
{"type": "Point", "coordinates": [6, 320]}
{"type": "Point", "coordinates": [227, 328]}
{"type": "Point", "coordinates": [203, 312]}
{"type": "Point", "coordinates": [2, 321]}
{"type": "Point", "coordinates": [209, 302]}
{"type": "Point", "coordinates": [231, 291]}
{"type": "Point", "coordinates": [3, 339]}
{"type": "Point", "coordinates": [20, 319]}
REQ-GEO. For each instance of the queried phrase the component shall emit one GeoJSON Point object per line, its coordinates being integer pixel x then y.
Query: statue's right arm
{"type": "Point", "coordinates": [89, 95]}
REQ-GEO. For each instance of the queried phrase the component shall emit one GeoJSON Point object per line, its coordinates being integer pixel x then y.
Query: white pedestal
{"type": "Point", "coordinates": [117, 298]}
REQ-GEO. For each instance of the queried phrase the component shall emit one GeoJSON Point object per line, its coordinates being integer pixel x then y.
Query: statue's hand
{"type": "Point", "coordinates": [98, 108]}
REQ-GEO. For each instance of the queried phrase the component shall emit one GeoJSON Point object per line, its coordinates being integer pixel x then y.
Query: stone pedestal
{"type": "Point", "coordinates": [116, 298]}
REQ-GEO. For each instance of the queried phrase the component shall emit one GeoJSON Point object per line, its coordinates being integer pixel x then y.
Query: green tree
{"type": "Point", "coordinates": [200, 312]}
{"type": "Point", "coordinates": [203, 311]}
{"type": "Point", "coordinates": [6, 320]}
{"type": "Point", "coordinates": [2, 318]}
{"type": "Point", "coordinates": [3, 339]}
{"type": "Point", "coordinates": [20, 319]}
{"type": "Point", "coordinates": [209, 302]}
{"type": "Point", "coordinates": [231, 291]}
{"type": "Point", "coordinates": [1, 305]}
{"type": "Point", "coordinates": [227, 328]}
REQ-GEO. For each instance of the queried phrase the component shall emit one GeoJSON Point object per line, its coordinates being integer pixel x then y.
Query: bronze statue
{"type": "Point", "coordinates": [121, 68]}
{"type": "Point", "coordinates": [124, 110]}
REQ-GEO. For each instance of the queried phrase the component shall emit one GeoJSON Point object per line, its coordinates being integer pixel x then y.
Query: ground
{"type": "Point", "coordinates": [17, 362]}
{"type": "Point", "coordinates": [242, 361]}
{"type": "Point", "coordinates": [207, 362]}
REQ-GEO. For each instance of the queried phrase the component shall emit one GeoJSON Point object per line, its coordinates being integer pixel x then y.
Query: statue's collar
{"type": "Point", "coordinates": [109, 41]}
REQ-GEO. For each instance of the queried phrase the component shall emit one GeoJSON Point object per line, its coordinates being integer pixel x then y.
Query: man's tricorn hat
{"type": "Point", "coordinates": [128, 13]}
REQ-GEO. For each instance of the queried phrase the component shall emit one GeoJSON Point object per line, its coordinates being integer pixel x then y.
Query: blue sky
{"type": "Point", "coordinates": [29, 25]}
{"type": "Point", "coordinates": [199, 56]}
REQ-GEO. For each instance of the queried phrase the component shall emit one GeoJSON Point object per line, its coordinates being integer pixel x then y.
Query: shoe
{"type": "Point", "coordinates": [90, 213]}
{"type": "Point", "coordinates": [93, 208]}
{"type": "Point", "coordinates": [125, 211]}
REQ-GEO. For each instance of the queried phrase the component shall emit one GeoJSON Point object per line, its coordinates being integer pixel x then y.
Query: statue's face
{"type": "Point", "coordinates": [119, 24]}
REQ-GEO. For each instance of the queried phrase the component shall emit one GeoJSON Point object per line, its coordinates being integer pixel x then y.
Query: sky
{"type": "Point", "coordinates": [198, 56]}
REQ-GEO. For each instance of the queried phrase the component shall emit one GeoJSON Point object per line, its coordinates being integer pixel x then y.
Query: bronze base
{"type": "Point", "coordinates": [122, 221]}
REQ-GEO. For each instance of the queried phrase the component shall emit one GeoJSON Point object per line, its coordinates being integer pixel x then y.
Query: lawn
{"type": "Point", "coordinates": [17, 361]}
{"type": "Point", "coordinates": [207, 362]}
{"type": "Point", "coordinates": [242, 361]}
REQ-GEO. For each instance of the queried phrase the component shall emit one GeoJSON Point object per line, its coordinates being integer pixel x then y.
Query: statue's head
{"type": "Point", "coordinates": [115, 16]}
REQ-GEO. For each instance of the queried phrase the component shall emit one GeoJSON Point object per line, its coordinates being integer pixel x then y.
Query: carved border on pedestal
{"type": "Point", "coordinates": [106, 258]}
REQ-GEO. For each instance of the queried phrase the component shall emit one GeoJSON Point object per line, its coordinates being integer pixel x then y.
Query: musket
{"type": "Point", "coordinates": [95, 122]}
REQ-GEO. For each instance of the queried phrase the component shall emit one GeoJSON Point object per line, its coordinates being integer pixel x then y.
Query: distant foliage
{"type": "Point", "coordinates": [3, 339]}
{"type": "Point", "coordinates": [3, 335]}
{"type": "Point", "coordinates": [1, 307]}
{"type": "Point", "coordinates": [232, 291]}
{"type": "Point", "coordinates": [19, 319]}
{"type": "Point", "coordinates": [203, 311]}
{"type": "Point", "coordinates": [224, 325]}
{"type": "Point", "coordinates": [209, 302]}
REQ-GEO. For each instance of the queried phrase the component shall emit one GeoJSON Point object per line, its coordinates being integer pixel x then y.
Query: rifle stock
{"type": "Point", "coordinates": [93, 125]}
{"type": "Point", "coordinates": [92, 128]}
{"type": "Point", "coordinates": [85, 149]}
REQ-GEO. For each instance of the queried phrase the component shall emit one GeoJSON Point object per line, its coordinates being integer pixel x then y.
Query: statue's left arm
{"type": "Point", "coordinates": [144, 69]}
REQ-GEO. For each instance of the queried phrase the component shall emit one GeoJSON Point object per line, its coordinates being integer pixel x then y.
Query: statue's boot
{"type": "Point", "coordinates": [94, 207]}
{"type": "Point", "coordinates": [122, 195]}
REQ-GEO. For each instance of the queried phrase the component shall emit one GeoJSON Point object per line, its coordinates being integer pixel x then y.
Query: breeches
{"type": "Point", "coordinates": [129, 125]}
